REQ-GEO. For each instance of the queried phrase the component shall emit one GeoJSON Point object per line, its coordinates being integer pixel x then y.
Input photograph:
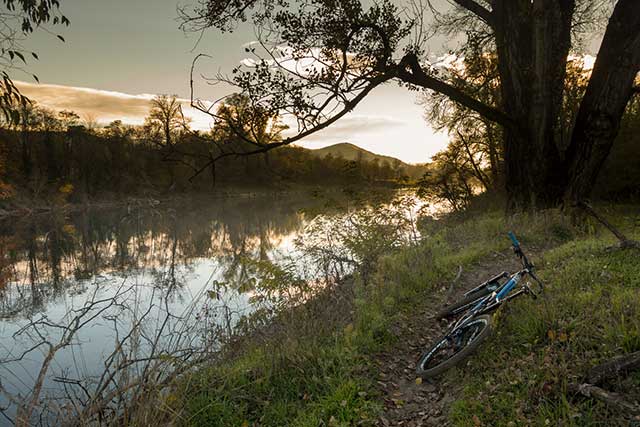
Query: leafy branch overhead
{"type": "Point", "coordinates": [19, 19]}
{"type": "Point", "coordinates": [314, 61]}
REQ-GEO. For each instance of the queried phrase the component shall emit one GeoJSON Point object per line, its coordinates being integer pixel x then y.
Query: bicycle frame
{"type": "Point", "coordinates": [503, 293]}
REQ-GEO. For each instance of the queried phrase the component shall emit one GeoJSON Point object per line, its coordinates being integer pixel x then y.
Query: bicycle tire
{"type": "Point", "coordinates": [468, 300]}
{"type": "Point", "coordinates": [428, 372]}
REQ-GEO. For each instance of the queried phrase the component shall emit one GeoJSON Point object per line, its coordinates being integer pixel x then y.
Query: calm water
{"type": "Point", "coordinates": [142, 264]}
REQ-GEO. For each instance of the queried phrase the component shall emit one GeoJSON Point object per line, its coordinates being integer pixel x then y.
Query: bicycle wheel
{"type": "Point", "coordinates": [463, 304]}
{"type": "Point", "coordinates": [446, 353]}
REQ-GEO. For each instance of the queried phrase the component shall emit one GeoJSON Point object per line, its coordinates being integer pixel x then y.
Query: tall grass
{"type": "Point", "coordinates": [590, 311]}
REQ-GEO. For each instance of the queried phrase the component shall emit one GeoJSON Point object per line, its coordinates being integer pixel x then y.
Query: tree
{"type": "Point", "coordinates": [166, 114]}
{"type": "Point", "coordinates": [479, 138]}
{"type": "Point", "coordinates": [166, 118]}
{"type": "Point", "coordinates": [69, 118]}
{"type": "Point", "coordinates": [452, 177]}
{"type": "Point", "coordinates": [245, 123]}
{"type": "Point", "coordinates": [18, 19]}
{"type": "Point", "coordinates": [317, 59]}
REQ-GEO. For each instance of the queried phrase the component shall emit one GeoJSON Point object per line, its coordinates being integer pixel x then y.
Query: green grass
{"type": "Point", "coordinates": [299, 383]}
{"type": "Point", "coordinates": [590, 311]}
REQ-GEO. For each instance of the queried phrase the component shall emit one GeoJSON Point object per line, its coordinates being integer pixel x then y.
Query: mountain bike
{"type": "Point", "coordinates": [473, 324]}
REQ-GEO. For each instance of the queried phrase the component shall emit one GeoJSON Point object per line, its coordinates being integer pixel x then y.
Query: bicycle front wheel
{"type": "Point", "coordinates": [449, 351]}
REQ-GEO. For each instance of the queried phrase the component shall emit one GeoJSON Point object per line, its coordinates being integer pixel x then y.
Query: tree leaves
{"type": "Point", "coordinates": [24, 16]}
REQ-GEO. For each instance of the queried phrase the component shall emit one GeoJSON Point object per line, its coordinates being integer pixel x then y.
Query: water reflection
{"type": "Point", "coordinates": [42, 257]}
{"type": "Point", "coordinates": [154, 289]}
{"type": "Point", "coordinates": [156, 270]}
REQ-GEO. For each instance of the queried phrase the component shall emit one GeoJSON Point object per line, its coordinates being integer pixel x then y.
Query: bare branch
{"type": "Point", "coordinates": [613, 400]}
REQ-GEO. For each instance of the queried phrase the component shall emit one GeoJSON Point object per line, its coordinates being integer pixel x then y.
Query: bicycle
{"type": "Point", "coordinates": [474, 322]}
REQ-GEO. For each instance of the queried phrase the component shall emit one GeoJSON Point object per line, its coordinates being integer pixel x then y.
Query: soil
{"type": "Point", "coordinates": [409, 401]}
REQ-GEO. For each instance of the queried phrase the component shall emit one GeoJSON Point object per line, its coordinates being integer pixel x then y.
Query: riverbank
{"type": "Point", "coordinates": [63, 201]}
{"type": "Point", "coordinates": [358, 371]}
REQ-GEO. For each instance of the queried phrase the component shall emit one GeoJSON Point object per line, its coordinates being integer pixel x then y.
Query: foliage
{"type": "Point", "coordinates": [356, 240]}
{"type": "Point", "coordinates": [18, 19]}
{"type": "Point", "coordinates": [316, 60]}
{"type": "Point", "coordinates": [474, 158]}
{"type": "Point", "coordinates": [241, 123]}
{"type": "Point", "coordinates": [305, 371]}
{"type": "Point", "coordinates": [621, 173]}
{"type": "Point", "coordinates": [48, 149]}
{"type": "Point", "coordinates": [477, 139]}
{"type": "Point", "coordinates": [294, 376]}
{"type": "Point", "coordinates": [449, 178]}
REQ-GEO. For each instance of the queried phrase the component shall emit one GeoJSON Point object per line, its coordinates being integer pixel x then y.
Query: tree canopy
{"type": "Point", "coordinates": [316, 60]}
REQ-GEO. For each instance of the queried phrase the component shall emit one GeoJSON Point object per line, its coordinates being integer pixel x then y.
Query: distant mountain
{"type": "Point", "coordinates": [352, 152]}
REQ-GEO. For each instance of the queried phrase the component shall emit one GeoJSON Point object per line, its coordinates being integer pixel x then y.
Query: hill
{"type": "Point", "coordinates": [349, 151]}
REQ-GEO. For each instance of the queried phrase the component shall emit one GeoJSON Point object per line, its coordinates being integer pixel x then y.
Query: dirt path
{"type": "Point", "coordinates": [414, 403]}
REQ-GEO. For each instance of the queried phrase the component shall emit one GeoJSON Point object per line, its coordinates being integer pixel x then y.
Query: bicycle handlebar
{"type": "Point", "coordinates": [526, 263]}
{"type": "Point", "coordinates": [518, 250]}
{"type": "Point", "coordinates": [515, 242]}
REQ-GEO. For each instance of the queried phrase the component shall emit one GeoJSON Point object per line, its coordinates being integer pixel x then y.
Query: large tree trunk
{"type": "Point", "coordinates": [533, 40]}
{"type": "Point", "coordinates": [601, 109]}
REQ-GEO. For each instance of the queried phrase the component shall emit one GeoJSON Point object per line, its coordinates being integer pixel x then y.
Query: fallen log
{"type": "Point", "coordinates": [625, 243]}
{"type": "Point", "coordinates": [614, 368]}
{"type": "Point", "coordinates": [614, 400]}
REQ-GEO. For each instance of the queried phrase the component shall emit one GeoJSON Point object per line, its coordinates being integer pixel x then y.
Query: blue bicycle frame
{"type": "Point", "coordinates": [501, 294]}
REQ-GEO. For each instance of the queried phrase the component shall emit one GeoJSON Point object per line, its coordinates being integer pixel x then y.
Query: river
{"type": "Point", "coordinates": [74, 285]}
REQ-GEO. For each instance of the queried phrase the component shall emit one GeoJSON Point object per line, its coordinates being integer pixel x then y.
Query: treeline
{"type": "Point", "coordinates": [49, 152]}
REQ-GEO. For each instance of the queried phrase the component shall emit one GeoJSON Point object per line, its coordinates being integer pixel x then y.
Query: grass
{"type": "Point", "coordinates": [305, 383]}
{"type": "Point", "coordinates": [590, 311]}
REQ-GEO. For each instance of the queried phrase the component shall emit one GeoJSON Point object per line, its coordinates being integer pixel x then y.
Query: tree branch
{"type": "Point", "coordinates": [625, 243]}
{"type": "Point", "coordinates": [263, 148]}
{"type": "Point", "coordinates": [477, 9]}
{"type": "Point", "coordinates": [614, 400]}
{"type": "Point", "coordinates": [476, 168]}
{"type": "Point", "coordinates": [410, 71]}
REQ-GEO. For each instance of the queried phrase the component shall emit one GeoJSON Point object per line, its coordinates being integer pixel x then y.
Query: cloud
{"type": "Point", "coordinates": [403, 136]}
{"type": "Point", "coordinates": [104, 105]}
{"type": "Point", "coordinates": [355, 124]}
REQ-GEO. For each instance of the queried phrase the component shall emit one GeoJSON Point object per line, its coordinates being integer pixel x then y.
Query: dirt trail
{"type": "Point", "coordinates": [410, 403]}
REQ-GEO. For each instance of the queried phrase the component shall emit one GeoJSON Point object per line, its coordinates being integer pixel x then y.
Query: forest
{"type": "Point", "coordinates": [52, 152]}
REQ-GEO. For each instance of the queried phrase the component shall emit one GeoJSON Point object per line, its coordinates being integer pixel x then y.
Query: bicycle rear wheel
{"type": "Point", "coordinates": [448, 351]}
{"type": "Point", "coordinates": [463, 304]}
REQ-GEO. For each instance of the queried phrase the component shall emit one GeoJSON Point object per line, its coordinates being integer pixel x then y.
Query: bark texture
{"type": "Point", "coordinates": [533, 41]}
{"type": "Point", "coordinates": [608, 92]}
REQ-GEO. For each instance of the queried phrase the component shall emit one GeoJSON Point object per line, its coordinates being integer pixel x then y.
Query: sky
{"type": "Point", "coordinates": [119, 53]}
